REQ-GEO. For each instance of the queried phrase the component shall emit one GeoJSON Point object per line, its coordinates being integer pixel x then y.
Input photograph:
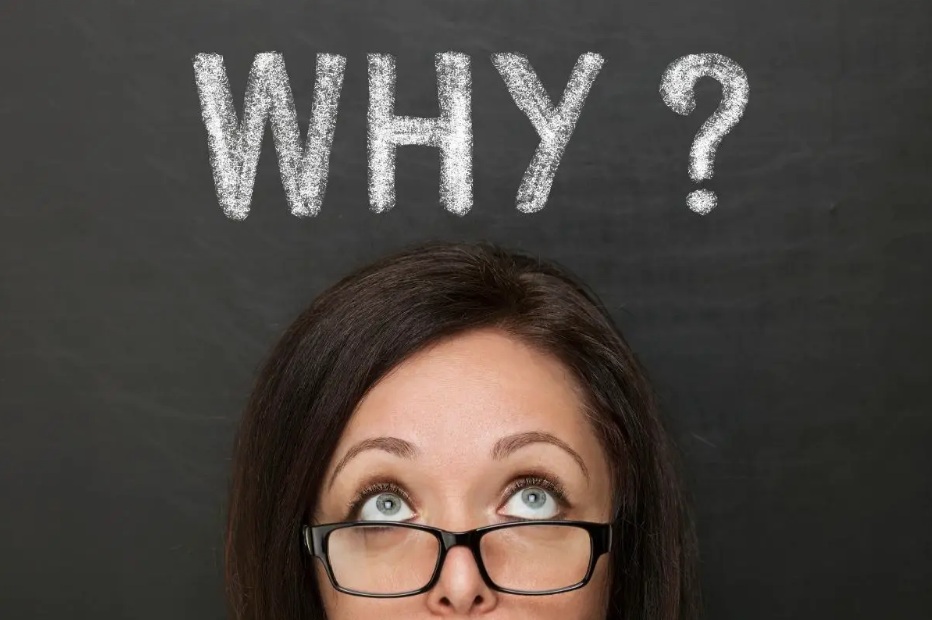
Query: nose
{"type": "Point", "coordinates": [460, 589]}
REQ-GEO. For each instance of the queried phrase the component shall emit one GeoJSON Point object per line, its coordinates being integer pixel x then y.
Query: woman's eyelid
{"type": "Point", "coordinates": [378, 485]}
{"type": "Point", "coordinates": [373, 488]}
{"type": "Point", "coordinates": [548, 482]}
{"type": "Point", "coordinates": [369, 510]}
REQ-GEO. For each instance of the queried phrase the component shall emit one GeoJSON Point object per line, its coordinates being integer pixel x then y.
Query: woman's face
{"type": "Point", "coordinates": [465, 420]}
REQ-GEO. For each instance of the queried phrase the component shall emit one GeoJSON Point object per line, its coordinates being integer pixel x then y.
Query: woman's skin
{"type": "Point", "coordinates": [452, 403]}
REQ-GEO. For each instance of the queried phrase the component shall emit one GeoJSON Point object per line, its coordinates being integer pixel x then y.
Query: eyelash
{"type": "Point", "coordinates": [539, 481]}
{"type": "Point", "coordinates": [553, 487]}
{"type": "Point", "coordinates": [384, 486]}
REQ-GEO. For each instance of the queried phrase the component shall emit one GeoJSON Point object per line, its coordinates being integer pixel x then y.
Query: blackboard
{"type": "Point", "coordinates": [786, 329]}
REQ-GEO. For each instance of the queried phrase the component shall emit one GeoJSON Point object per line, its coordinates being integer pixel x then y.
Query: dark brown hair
{"type": "Point", "coordinates": [359, 329]}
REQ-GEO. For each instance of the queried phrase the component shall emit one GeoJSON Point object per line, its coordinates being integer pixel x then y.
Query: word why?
{"type": "Point", "coordinates": [234, 146]}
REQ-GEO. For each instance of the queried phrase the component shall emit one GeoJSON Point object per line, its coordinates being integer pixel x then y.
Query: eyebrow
{"type": "Point", "coordinates": [506, 445]}
{"type": "Point", "coordinates": [392, 445]}
{"type": "Point", "coordinates": [502, 448]}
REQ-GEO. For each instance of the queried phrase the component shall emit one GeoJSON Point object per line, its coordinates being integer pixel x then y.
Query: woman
{"type": "Point", "coordinates": [450, 388]}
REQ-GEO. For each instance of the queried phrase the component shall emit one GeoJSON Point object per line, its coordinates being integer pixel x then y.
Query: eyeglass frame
{"type": "Point", "coordinates": [316, 541]}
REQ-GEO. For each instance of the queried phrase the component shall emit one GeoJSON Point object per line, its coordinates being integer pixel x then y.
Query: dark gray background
{"type": "Point", "coordinates": [786, 331]}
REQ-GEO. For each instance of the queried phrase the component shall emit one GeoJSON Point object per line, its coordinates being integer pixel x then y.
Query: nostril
{"type": "Point", "coordinates": [478, 600]}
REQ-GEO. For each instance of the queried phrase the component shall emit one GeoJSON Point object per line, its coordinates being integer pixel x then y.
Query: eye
{"type": "Point", "coordinates": [381, 502]}
{"type": "Point", "coordinates": [385, 507]}
{"type": "Point", "coordinates": [535, 498]}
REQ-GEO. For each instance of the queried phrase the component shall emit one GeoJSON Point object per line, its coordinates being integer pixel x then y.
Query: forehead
{"type": "Point", "coordinates": [464, 393]}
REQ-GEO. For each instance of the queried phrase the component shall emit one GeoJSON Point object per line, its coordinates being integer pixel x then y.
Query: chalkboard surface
{"type": "Point", "coordinates": [786, 329]}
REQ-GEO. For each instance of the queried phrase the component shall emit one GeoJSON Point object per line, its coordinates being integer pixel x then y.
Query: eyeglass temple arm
{"type": "Point", "coordinates": [312, 542]}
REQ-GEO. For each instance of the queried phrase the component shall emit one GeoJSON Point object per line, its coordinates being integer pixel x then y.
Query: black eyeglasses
{"type": "Point", "coordinates": [390, 559]}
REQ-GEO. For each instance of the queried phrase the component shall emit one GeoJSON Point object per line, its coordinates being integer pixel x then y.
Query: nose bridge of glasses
{"type": "Point", "coordinates": [468, 538]}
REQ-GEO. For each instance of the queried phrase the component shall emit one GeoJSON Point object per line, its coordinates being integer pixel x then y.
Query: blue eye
{"type": "Point", "coordinates": [383, 501]}
{"type": "Point", "coordinates": [532, 503]}
{"type": "Point", "coordinates": [534, 497]}
{"type": "Point", "coordinates": [385, 507]}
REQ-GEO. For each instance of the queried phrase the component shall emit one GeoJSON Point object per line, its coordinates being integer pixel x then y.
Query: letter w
{"type": "Point", "coordinates": [234, 147]}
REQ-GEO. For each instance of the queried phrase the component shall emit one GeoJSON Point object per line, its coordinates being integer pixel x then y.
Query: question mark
{"type": "Point", "coordinates": [676, 87]}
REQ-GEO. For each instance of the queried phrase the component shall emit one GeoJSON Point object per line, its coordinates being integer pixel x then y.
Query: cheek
{"type": "Point", "coordinates": [339, 606]}
{"type": "Point", "coordinates": [589, 603]}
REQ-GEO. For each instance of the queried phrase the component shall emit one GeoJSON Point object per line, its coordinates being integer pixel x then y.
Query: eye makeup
{"type": "Point", "coordinates": [540, 480]}
{"type": "Point", "coordinates": [371, 488]}
{"type": "Point", "coordinates": [529, 478]}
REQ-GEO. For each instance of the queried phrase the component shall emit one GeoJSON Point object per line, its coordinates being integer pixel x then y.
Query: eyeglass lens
{"type": "Point", "coordinates": [385, 559]}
